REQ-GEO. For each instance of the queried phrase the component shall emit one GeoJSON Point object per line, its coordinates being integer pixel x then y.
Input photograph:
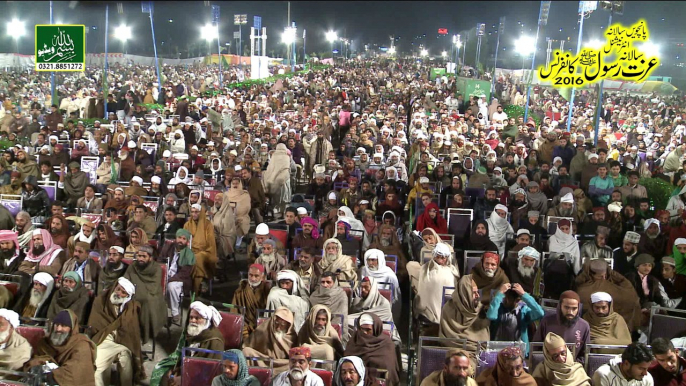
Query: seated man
{"type": "Point", "coordinates": [89, 203]}
{"type": "Point", "coordinates": [194, 197]}
{"type": "Point", "coordinates": [456, 370]}
{"type": "Point", "coordinates": [87, 269]}
{"type": "Point", "coordinates": [306, 268]}
{"type": "Point", "coordinates": [488, 276]}
{"type": "Point", "coordinates": [597, 276]}
{"type": "Point", "coordinates": [607, 326]}
{"type": "Point", "coordinates": [292, 294]}
{"type": "Point", "coordinates": [115, 324]}
{"type": "Point", "coordinates": [251, 294]}
{"type": "Point", "coordinates": [366, 298]}
{"type": "Point", "coordinates": [298, 370]}
{"type": "Point", "coordinates": [181, 264]}
{"type": "Point", "coordinates": [24, 229]}
{"type": "Point", "coordinates": [375, 266]}
{"type": "Point", "coordinates": [629, 368]}
{"type": "Point", "coordinates": [525, 270]}
{"type": "Point", "coordinates": [142, 220]}
{"type": "Point", "coordinates": [375, 348]}
{"type": "Point", "coordinates": [350, 245]}
{"type": "Point", "coordinates": [670, 368]}
{"type": "Point", "coordinates": [511, 312]}
{"type": "Point", "coordinates": [508, 370]}
{"type": "Point", "coordinates": [319, 336]}
{"type": "Point", "coordinates": [648, 287]}
{"type": "Point", "coordinates": [202, 333]}
{"type": "Point", "coordinates": [72, 295]}
{"type": "Point", "coordinates": [273, 339]}
{"type": "Point", "coordinates": [309, 237]}
{"type": "Point", "coordinates": [11, 255]}
{"type": "Point", "coordinates": [146, 275]}
{"type": "Point", "coordinates": [86, 234]}
{"type": "Point", "coordinates": [118, 202]}
{"type": "Point", "coordinates": [255, 246]}
{"type": "Point", "coordinates": [462, 317]}
{"type": "Point", "coordinates": [623, 256]}
{"type": "Point", "coordinates": [387, 242]}
{"type": "Point", "coordinates": [597, 248]}
{"type": "Point", "coordinates": [235, 370]}
{"type": "Point", "coordinates": [673, 283]}
{"type": "Point", "coordinates": [169, 226]}
{"type": "Point", "coordinates": [16, 349]}
{"type": "Point", "coordinates": [351, 372]}
{"type": "Point", "coordinates": [567, 323]}
{"type": "Point", "coordinates": [335, 261]}
{"type": "Point", "coordinates": [499, 227]}
{"type": "Point", "coordinates": [435, 274]}
{"type": "Point", "coordinates": [558, 366]}
{"type": "Point", "coordinates": [43, 254]}
{"type": "Point", "coordinates": [113, 270]}
{"type": "Point", "coordinates": [72, 352]}
{"type": "Point", "coordinates": [331, 295]}
{"type": "Point", "coordinates": [36, 299]}
{"type": "Point", "coordinates": [270, 259]}
{"type": "Point", "coordinates": [203, 246]}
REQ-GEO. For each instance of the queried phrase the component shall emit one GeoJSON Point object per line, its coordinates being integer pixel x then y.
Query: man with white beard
{"type": "Point", "coordinates": [524, 270]}
{"type": "Point", "coordinates": [565, 208]}
{"type": "Point", "coordinates": [114, 321]}
{"type": "Point", "coordinates": [298, 373]}
{"type": "Point", "coordinates": [36, 300]}
{"type": "Point", "coordinates": [252, 294]}
{"type": "Point", "coordinates": [292, 294]}
{"type": "Point", "coordinates": [15, 350]}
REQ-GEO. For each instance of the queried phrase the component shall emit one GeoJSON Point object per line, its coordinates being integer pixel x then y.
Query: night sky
{"type": "Point", "coordinates": [363, 22]}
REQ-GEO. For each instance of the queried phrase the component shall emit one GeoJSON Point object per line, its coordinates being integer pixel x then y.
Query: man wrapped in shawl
{"type": "Point", "coordinates": [319, 335]}
{"type": "Point", "coordinates": [375, 266]}
{"type": "Point", "coordinates": [488, 276]}
{"type": "Point", "coordinates": [137, 238]}
{"type": "Point", "coordinates": [273, 339]}
{"type": "Point", "coordinates": [43, 254]}
{"type": "Point", "coordinates": [375, 348]}
{"type": "Point", "coordinates": [204, 246]}
{"type": "Point", "coordinates": [386, 240]}
{"type": "Point", "coordinates": [344, 376]}
{"type": "Point", "coordinates": [252, 294]}
{"type": "Point", "coordinates": [559, 367]}
{"type": "Point", "coordinates": [335, 261]}
{"type": "Point", "coordinates": [291, 293]}
{"type": "Point", "coordinates": [607, 326]}
{"type": "Point", "coordinates": [498, 227]}
{"type": "Point", "coordinates": [225, 223]}
{"type": "Point", "coordinates": [236, 194]}
{"type": "Point", "coordinates": [431, 218]}
{"type": "Point", "coordinates": [72, 295]}
{"type": "Point", "coordinates": [235, 371]}
{"type": "Point", "coordinates": [508, 370]}
{"type": "Point", "coordinates": [330, 294]}
{"type": "Point", "coordinates": [310, 236]}
{"type": "Point", "coordinates": [367, 298]}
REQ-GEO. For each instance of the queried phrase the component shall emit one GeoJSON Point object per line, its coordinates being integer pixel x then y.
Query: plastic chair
{"type": "Point", "coordinates": [392, 263]}
{"type": "Point", "coordinates": [198, 371]}
{"type": "Point", "coordinates": [446, 296]}
{"type": "Point", "coordinates": [263, 374]}
{"type": "Point", "coordinates": [231, 326]}
{"type": "Point", "coordinates": [324, 369]}
{"type": "Point", "coordinates": [279, 232]}
{"type": "Point", "coordinates": [386, 292]}
{"type": "Point", "coordinates": [594, 361]}
{"type": "Point", "coordinates": [487, 353]}
{"type": "Point", "coordinates": [32, 334]}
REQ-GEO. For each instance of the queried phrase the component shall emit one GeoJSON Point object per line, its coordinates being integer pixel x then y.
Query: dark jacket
{"type": "Point", "coordinates": [257, 196]}
{"type": "Point", "coordinates": [662, 377]}
{"type": "Point", "coordinates": [37, 202]}
{"type": "Point", "coordinates": [653, 288]}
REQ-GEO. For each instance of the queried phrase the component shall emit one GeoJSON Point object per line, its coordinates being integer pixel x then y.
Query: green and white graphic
{"type": "Point", "coordinates": [60, 47]}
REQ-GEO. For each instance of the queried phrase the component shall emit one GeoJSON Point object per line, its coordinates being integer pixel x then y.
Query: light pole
{"type": "Point", "coordinates": [16, 29]}
{"type": "Point", "coordinates": [240, 20]}
{"type": "Point", "coordinates": [585, 8]}
{"type": "Point", "coordinates": [525, 46]}
{"type": "Point", "coordinates": [123, 33]}
{"type": "Point", "coordinates": [542, 20]}
{"type": "Point", "coordinates": [458, 43]}
{"type": "Point", "coordinates": [331, 37]}
{"type": "Point", "coordinates": [288, 38]}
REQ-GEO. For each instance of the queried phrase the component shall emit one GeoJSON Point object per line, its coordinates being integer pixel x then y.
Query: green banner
{"type": "Point", "coordinates": [436, 72]}
{"type": "Point", "coordinates": [60, 47]}
{"type": "Point", "coordinates": [479, 88]}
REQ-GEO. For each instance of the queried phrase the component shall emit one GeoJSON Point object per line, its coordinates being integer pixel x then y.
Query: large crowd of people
{"type": "Point", "coordinates": [351, 196]}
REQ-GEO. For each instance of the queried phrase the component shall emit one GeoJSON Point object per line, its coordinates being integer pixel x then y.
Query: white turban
{"type": "Point", "coordinates": [44, 278]}
{"type": "Point", "coordinates": [262, 229]}
{"type": "Point", "coordinates": [359, 367]}
{"type": "Point", "coordinates": [286, 274]}
{"type": "Point", "coordinates": [138, 179]}
{"type": "Point", "coordinates": [601, 297]}
{"type": "Point", "coordinates": [196, 206]}
{"type": "Point", "coordinates": [11, 317]}
{"type": "Point", "coordinates": [614, 207]}
{"type": "Point", "coordinates": [650, 221]}
{"type": "Point", "coordinates": [441, 249]}
{"type": "Point", "coordinates": [156, 180]}
{"type": "Point", "coordinates": [207, 312]}
{"type": "Point", "coordinates": [127, 285]}
{"type": "Point", "coordinates": [501, 207]}
{"type": "Point", "coordinates": [680, 241]}
{"type": "Point", "coordinates": [366, 319]}
{"type": "Point", "coordinates": [567, 198]}
{"type": "Point", "coordinates": [118, 249]}
{"type": "Point", "coordinates": [529, 251]}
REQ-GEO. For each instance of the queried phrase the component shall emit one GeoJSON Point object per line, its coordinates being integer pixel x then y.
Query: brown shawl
{"type": "Point", "coordinates": [460, 320]}
{"type": "Point", "coordinates": [488, 284]}
{"type": "Point", "coordinates": [209, 339]}
{"type": "Point", "coordinates": [327, 346]}
{"type": "Point", "coordinates": [105, 320]}
{"type": "Point", "coordinates": [499, 376]}
{"type": "Point", "coordinates": [63, 236]}
{"type": "Point", "coordinates": [75, 358]}
{"type": "Point", "coordinates": [75, 301]}
{"type": "Point", "coordinates": [264, 343]}
{"type": "Point", "coordinates": [110, 241]}
{"type": "Point", "coordinates": [153, 311]}
{"type": "Point", "coordinates": [611, 329]}
{"type": "Point", "coordinates": [203, 245]}
{"type": "Point", "coordinates": [376, 350]}
{"type": "Point", "coordinates": [252, 299]}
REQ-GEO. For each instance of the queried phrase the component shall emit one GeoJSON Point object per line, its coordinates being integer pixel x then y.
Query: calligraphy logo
{"type": "Point", "coordinates": [60, 47]}
{"type": "Point", "coordinates": [617, 59]}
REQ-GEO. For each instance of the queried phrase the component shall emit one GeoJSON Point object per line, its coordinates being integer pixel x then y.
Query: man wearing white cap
{"type": "Point", "coordinates": [115, 324]}
{"type": "Point", "coordinates": [255, 246]}
{"type": "Point", "coordinates": [15, 350]}
{"type": "Point", "coordinates": [36, 299]}
{"type": "Point", "coordinates": [499, 227]}
{"type": "Point", "coordinates": [525, 270]}
{"type": "Point", "coordinates": [607, 326]}
{"type": "Point", "coordinates": [292, 293]}
{"type": "Point", "coordinates": [565, 208]}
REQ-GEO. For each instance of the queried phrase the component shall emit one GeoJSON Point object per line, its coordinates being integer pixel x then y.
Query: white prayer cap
{"type": "Point", "coordinates": [138, 180]}
{"type": "Point", "coordinates": [366, 320]}
{"type": "Point", "coordinates": [11, 317]}
{"type": "Point", "coordinates": [131, 144]}
{"type": "Point", "coordinates": [332, 196]}
{"type": "Point", "coordinates": [529, 251]}
{"type": "Point", "coordinates": [166, 153]}
{"type": "Point", "coordinates": [286, 274]}
{"type": "Point", "coordinates": [441, 249]}
{"type": "Point", "coordinates": [207, 312]}
{"type": "Point", "coordinates": [614, 207]}
{"type": "Point", "coordinates": [156, 180]}
{"type": "Point", "coordinates": [680, 241]}
{"type": "Point", "coordinates": [423, 180]}
{"type": "Point", "coordinates": [501, 207]}
{"type": "Point", "coordinates": [302, 210]}
{"type": "Point", "coordinates": [262, 229]}
{"type": "Point", "coordinates": [650, 221]}
{"type": "Point", "coordinates": [118, 249]}
{"type": "Point", "coordinates": [593, 155]}
{"type": "Point", "coordinates": [36, 232]}
{"type": "Point", "coordinates": [127, 286]}
{"type": "Point", "coordinates": [196, 206]}
{"type": "Point", "coordinates": [567, 198]}
{"type": "Point", "coordinates": [601, 297]}
{"type": "Point", "coordinates": [557, 159]}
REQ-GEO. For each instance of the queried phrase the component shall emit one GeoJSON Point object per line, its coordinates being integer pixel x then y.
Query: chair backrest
{"type": "Point", "coordinates": [50, 188]}
{"type": "Point", "coordinates": [666, 323]}
{"type": "Point", "coordinates": [263, 374]}
{"type": "Point", "coordinates": [392, 262]}
{"type": "Point", "coordinates": [432, 353]}
{"type": "Point", "coordinates": [231, 328]}
{"type": "Point", "coordinates": [447, 295]}
{"type": "Point", "coordinates": [471, 259]}
{"type": "Point", "coordinates": [281, 235]}
{"type": "Point", "coordinates": [594, 361]}
{"type": "Point", "coordinates": [32, 334]}
{"type": "Point", "coordinates": [448, 239]}
{"type": "Point", "coordinates": [386, 291]}
{"type": "Point", "coordinates": [12, 202]}
{"type": "Point", "coordinates": [198, 371]}
{"type": "Point", "coordinates": [325, 375]}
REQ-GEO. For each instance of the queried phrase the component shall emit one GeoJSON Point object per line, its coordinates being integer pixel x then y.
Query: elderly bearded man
{"type": "Point", "coordinates": [252, 294]}
{"type": "Point", "coordinates": [335, 261]}
{"type": "Point", "coordinates": [306, 268]}
{"type": "Point", "coordinates": [273, 339]}
{"type": "Point", "coordinates": [524, 270]}
{"type": "Point", "coordinates": [488, 275]}
{"type": "Point", "coordinates": [16, 350]}
{"type": "Point", "coordinates": [456, 371]}
{"type": "Point", "coordinates": [558, 367]}
{"type": "Point", "coordinates": [290, 293]}
{"type": "Point", "coordinates": [318, 335]}
{"type": "Point", "coordinates": [182, 261]}
{"type": "Point", "coordinates": [204, 246]}
{"type": "Point", "coordinates": [35, 302]}
{"type": "Point", "coordinates": [72, 295]}
{"type": "Point", "coordinates": [115, 324]}
{"type": "Point", "coordinates": [72, 352]}
{"type": "Point", "coordinates": [146, 275]}
{"type": "Point", "coordinates": [298, 373]}
{"type": "Point", "coordinates": [113, 270]}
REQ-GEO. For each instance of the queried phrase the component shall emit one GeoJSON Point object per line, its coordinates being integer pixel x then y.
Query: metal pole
{"type": "Point", "coordinates": [293, 49]}
{"type": "Point", "coordinates": [466, 39]}
{"type": "Point", "coordinates": [533, 61]}
{"type": "Point", "coordinates": [219, 51]}
{"type": "Point", "coordinates": [578, 48]}
{"type": "Point", "coordinates": [548, 51]}
{"type": "Point", "coordinates": [154, 46]}
{"type": "Point", "coordinates": [52, 74]}
{"type": "Point", "coordinates": [240, 45]}
{"type": "Point", "coordinates": [304, 51]}
{"type": "Point", "coordinates": [107, 66]}
{"type": "Point", "coordinates": [495, 67]}
{"type": "Point", "coordinates": [600, 98]}
{"type": "Point", "coordinates": [478, 53]}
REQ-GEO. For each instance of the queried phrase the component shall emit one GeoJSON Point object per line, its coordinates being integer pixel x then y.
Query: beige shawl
{"type": "Point", "coordinates": [552, 373]}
